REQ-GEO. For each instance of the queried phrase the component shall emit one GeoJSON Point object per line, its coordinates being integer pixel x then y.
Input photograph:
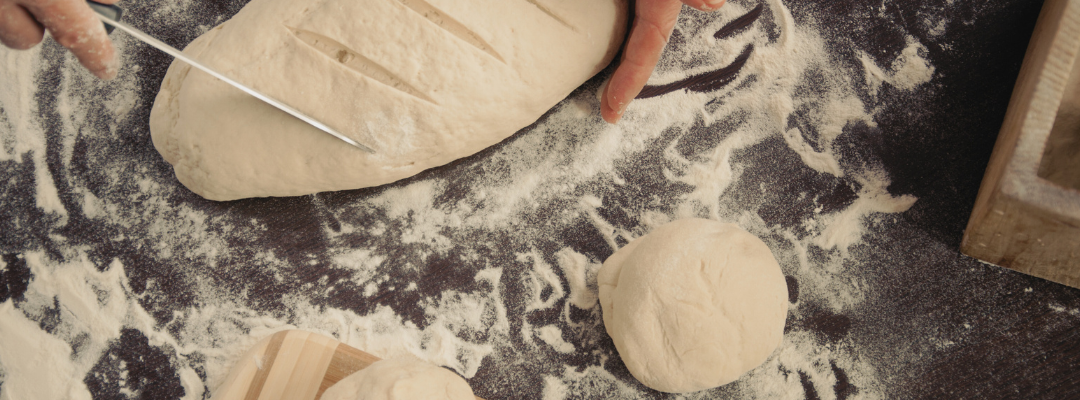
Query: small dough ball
{"type": "Point", "coordinates": [405, 378]}
{"type": "Point", "coordinates": [693, 305]}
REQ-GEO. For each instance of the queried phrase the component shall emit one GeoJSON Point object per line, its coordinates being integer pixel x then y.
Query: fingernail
{"type": "Point", "coordinates": [712, 4]}
{"type": "Point", "coordinates": [618, 108]}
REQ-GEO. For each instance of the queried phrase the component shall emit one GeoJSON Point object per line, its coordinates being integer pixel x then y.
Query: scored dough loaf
{"type": "Point", "coordinates": [423, 82]}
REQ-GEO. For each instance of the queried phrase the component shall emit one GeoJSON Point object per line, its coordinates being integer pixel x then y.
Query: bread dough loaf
{"type": "Point", "coordinates": [423, 82]}
{"type": "Point", "coordinates": [400, 379]}
{"type": "Point", "coordinates": [693, 305]}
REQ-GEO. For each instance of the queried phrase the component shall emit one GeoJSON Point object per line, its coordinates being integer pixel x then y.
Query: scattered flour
{"type": "Point", "coordinates": [552, 335]}
{"type": "Point", "coordinates": [845, 228]}
{"type": "Point", "coordinates": [581, 275]}
{"type": "Point", "coordinates": [1062, 309]}
{"type": "Point", "coordinates": [36, 363]}
{"type": "Point", "coordinates": [907, 72]}
{"type": "Point", "coordinates": [542, 277]}
{"type": "Point", "coordinates": [24, 133]}
{"type": "Point", "coordinates": [570, 168]}
{"type": "Point", "coordinates": [93, 306]}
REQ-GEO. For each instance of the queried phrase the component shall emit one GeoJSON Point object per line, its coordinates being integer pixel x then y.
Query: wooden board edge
{"type": "Point", "coordinates": [1026, 240]}
{"type": "Point", "coordinates": [346, 361]}
{"type": "Point", "coordinates": [1020, 105]}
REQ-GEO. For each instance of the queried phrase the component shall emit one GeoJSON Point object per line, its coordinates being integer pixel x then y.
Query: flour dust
{"type": "Point", "coordinates": [487, 266]}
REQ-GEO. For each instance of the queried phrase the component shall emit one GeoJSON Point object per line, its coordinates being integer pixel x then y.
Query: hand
{"type": "Point", "coordinates": [72, 24]}
{"type": "Point", "coordinates": [653, 23]}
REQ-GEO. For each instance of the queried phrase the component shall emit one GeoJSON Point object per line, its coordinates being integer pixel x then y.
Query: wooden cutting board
{"type": "Point", "coordinates": [292, 365]}
{"type": "Point", "coordinates": [1027, 215]}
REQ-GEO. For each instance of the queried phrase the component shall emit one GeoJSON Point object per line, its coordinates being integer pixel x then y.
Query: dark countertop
{"type": "Point", "coordinates": [462, 263]}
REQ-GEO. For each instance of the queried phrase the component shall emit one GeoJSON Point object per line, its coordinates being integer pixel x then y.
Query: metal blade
{"type": "Point", "coordinates": [269, 100]}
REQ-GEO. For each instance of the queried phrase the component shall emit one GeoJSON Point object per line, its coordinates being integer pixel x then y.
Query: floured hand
{"type": "Point", "coordinates": [653, 23]}
{"type": "Point", "coordinates": [70, 22]}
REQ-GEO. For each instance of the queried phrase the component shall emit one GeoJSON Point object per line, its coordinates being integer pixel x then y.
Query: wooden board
{"type": "Point", "coordinates": [1023, 220]}
{"type": "Point", "coordinates": [292, 365]}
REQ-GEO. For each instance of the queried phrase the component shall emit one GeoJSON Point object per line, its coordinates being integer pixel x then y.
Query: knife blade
{"type": "Point", "coordinates": [110, 15]}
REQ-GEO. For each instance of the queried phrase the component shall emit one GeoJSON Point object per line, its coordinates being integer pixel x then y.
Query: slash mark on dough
{"type": "Point", "coordinates": [552, 14]}
{"type": "Point", "coordinates": [451, 25]}
{"type": "Point", "coordinates": [357, 62]}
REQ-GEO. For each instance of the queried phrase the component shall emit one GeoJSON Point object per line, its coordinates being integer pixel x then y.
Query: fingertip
{"type": "Point", "coordinates": [107, 68]}
{"type": "Point", "coordinates": [609, 114]}
{"type": "Point", "coordinates": [100, 58]}
{"type": "Point", "coordinates": [21, 42]}
{"type": "Point", "coordinates": [108, 73]}
{"type": "Point", "coordinates": [19, 30]}
{"type": "Point", "coordinates": [626, 86]}
{"type": "Point", "coordinates": [72, 24]}
{"type": "Point", "coordinates": [612, 117]}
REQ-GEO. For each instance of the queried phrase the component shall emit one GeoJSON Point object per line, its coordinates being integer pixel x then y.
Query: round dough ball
{"type": "Point", "coordinates": [401, 379]}
{"type": "Point", "coordinates": [693, 305]}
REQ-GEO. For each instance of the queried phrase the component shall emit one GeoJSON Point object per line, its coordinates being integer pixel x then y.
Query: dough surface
{"type": "Point", "coordinates": [423, 82]}
{"type": "Point", "coordinates": [693, 305]}
{"type": "Point", "coordinates": [400, 379]}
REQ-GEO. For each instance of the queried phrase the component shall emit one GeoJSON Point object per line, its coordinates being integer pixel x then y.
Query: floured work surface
{"type": "Point", "coordinates": [850, 138]}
